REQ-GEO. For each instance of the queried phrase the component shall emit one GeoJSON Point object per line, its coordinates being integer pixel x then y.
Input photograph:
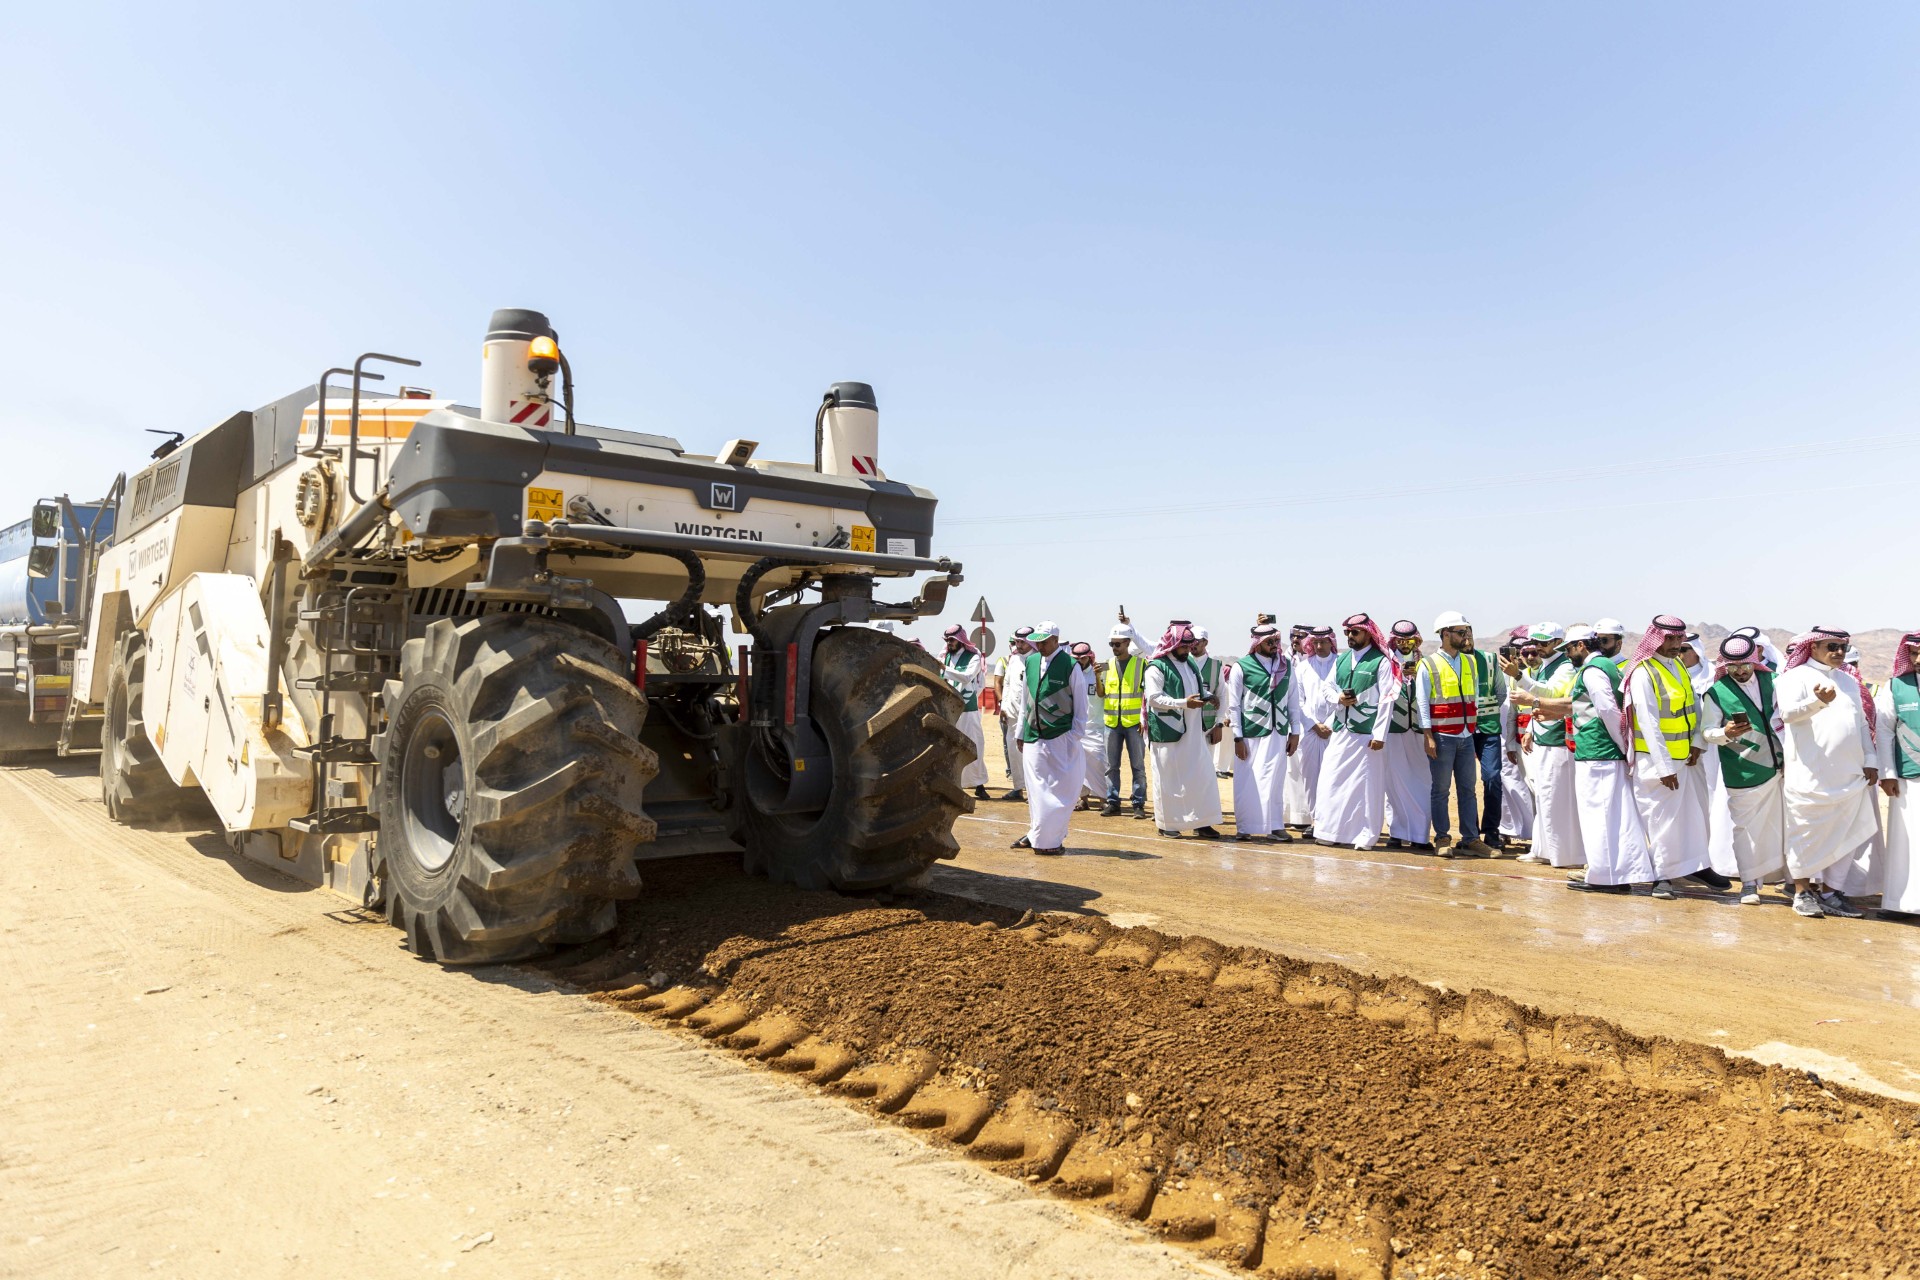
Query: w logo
{"type": "Point", "coordinates": [724, 498]}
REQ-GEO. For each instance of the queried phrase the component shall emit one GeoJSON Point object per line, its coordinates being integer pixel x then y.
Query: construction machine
{"type": "Point", "coordinates": [392, 640]}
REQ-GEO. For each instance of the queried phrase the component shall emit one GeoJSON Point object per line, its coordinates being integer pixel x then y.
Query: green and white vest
{"type": "Point", "coordinates": [1906, 724]}
{"type": "Point", "coordinates": [1263, 698]}
{"type": "Point", "coordinates": [1049, 695]}
{"type": "Point", "coordinates": [1551, 733]}
{"type": "Point", "coordinates": [1171, 726]}
{"type": "Point", "coordinates": [1210, 669]}
{"type": "Point", "coordinates": [1754, 759]}
{"type": "Point", "coordinates": [1362, 679]}
{"type": "Point", "coordinates": [957, 665]}
{"type": "Point", "coordinates": [1406, 708]}
{"type": "Point", "coordinates": [1591, 741]}
{"type": "Point", "coordinates": [1488, 696]}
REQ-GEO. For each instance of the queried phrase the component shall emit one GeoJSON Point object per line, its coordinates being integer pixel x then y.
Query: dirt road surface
{"type": "Point", "coordinates": [208, 1070]}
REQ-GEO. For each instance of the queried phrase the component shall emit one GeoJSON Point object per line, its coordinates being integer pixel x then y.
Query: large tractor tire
{"type": "Point", "coordinates": [133, 782]}
{"type": "Point", "coordinates": [511, 774]}
{"type": "Point", "coordinates": [890, 723]}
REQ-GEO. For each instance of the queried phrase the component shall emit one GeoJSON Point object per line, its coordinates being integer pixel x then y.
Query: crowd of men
{"type": "Point", "coordinates": [1652, 768]}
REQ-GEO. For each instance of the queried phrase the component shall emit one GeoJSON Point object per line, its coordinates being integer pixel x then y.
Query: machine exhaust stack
{"type": "Point", "coordinates": [517, 364]}
{"type": "Point", "coordinates": [846, 432]}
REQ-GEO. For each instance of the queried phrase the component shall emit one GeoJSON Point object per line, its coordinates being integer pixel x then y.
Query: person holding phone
{"type": "Point", "coordinates": [1741, 725]}
{"type": "Point", "coordinates": [1831, 769]}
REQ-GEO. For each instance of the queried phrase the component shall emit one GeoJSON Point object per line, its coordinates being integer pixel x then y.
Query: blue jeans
{"type": "Point", "coordinates": [1454, 764]}
{"type": "Point", "coordinates": [1134, 740]}
{"type": "Point", "coordinates": [1487, 746]}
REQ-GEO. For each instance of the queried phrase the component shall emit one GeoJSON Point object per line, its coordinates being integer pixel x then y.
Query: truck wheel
{"type": "Point", "coordinates": [889, 721]}
{"type": "Point", "coordinates": [133, 782]}
{"type": "Point", "coordinates": [509, 797]}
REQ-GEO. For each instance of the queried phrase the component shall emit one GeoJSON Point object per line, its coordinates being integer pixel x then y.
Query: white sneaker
{"type": "Point", "coordinates": [1749, 893]}
{"type": "Point", "coordinates": [1805, 904]}
{"type": "Point", "coordinates": [1664, 889]}
{"type": "Point", "coordinates": [1530, 857]}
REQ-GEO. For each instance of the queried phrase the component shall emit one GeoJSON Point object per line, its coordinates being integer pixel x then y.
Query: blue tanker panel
{"type": "Point", "coordinates": [24, 599]}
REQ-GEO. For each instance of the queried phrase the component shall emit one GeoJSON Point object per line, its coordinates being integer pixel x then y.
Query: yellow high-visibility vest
{"type": "Point", "coordinates": [1120, 698]}
{"type": "Point", "coordinates": [1679, 709]}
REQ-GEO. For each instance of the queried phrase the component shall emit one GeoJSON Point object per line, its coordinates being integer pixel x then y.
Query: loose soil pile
{"type": "Point", "coordinates": [1300, 1118]}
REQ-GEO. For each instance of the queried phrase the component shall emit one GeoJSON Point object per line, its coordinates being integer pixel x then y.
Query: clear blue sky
{"type": "Point", "coordinates": [1203, 309]}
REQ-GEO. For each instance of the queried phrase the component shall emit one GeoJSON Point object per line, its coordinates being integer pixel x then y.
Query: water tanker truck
{"type": "Point", "coordinates": [45, 563]}
{"type": "Point", "coordinates": [474, 665]}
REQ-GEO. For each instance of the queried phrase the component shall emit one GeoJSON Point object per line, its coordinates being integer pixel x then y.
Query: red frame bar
{"type": "Point", "coordinates": [793, 664]}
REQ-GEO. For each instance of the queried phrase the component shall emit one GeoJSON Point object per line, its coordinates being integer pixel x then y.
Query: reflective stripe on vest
{"type": "Point", "coordinates": [1452, 696]}
{"type": "Point", "coordinates": [1906, 724]}
{"type": "Point", "coordinates": [1679, 709]}
{"type": "Point", "coordinates": [1490, 698]}
{"type": "Point", "coordinates": [1121, 702]}
{"type": "Point", "coordinates": [1362, 680]}
{"type": "Point", "coordinates": [956, 673]}
{"type": "Point", "coordinates": [1557, 674]}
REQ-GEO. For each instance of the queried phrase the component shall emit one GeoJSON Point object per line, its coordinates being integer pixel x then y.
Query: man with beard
{"type": "Point", "coordinates": [1898, 705]}
{"type": "Point", "coordinates": [1669, 788]}
{"type": "Point", "coordinates": [1547, 751]}
{"type": "Point", "coordinates": [966, 671]}
{"type": "Point", "coordinates": [1313, 673]}
{"type": "Point", "coordinates": [1219, 742]}
{"type": "Point", "coordinates": [1120, 683]}
{"type": "Point", "coordinates": [1743, 728]}
{"type": "Point", "coordinates": [1831, 768]}
{"type": "Point", "coordinates": [1016, 653]}
{"type": "Point", "coordinates": [1352, 805]}
{"type": "Point", "coordinates": [1616, 848]}
{"type": "Point", "coordinates": [1186, 795]}
{"type": "Point", "coordinates": [1048, 695]}
{"type": "Point", "coordinates": [1093, 734]}
{"type": "Point", "coordinates": [1263, 715]}
{"type": "Point", "coordinates": [1448, 685]}
{"type": "Point", "coordinates": [1409, 778]}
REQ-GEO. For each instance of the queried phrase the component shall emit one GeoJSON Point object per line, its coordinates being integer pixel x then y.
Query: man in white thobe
{"type": "Point", "coordinates": [1409, 777]}
{"type": "Point", "coordinates": [1546, 752]}
{"type": "Point", "coordinates": [1186, 794]}
{"type": "Point", "coordinates": [1093, 736]}
{"type": "Point", "coordinates": [1610, 834]}
{"type": "Point", "coordinates": [966, 672]}
{"type": "Point", "coordinates": [1898, 712]}
{"type": "Point", "coordinates": [1016, 651]}
{"type": "Point", "coordinates": [1312, 670]}
{"type": "Point", "coordinates": [1263, 716]}
{"type": "Point", "coordinates": [1213, 673]}
{"type": "Point", "coordinates": [1352, 804]}
{"type": "Point", "coordinates": [1741, 725]}
{"type": "Point", "coordinates": [1831, 769]}
{"type": "Point", "coordinates": [1669, 787]}
{"type": "Point", "coordinates": [1048, 693]}
{"type": "Point", "coordinates": [1516, 799]}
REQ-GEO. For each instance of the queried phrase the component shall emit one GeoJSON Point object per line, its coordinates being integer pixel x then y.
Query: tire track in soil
{"type": "Point", "coordinates": [1295, 1118]}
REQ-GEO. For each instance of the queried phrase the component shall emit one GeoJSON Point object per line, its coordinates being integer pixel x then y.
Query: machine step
{"type": "Point", "coordinates": [341, 751]}
{"type": "Point", "coordinates": [345, 681]}
{"type": "Point", "coordinates": [355, 820]}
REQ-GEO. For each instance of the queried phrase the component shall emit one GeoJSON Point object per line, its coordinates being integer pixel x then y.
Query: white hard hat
{"type": "Point", "coordinates": [1451, 618]}
{"type": "Point", "coordinates": [1580, 632]}
{"type": "Point", "coordinates": [1199, 633]}
{"type": "Point", "coordinates": [1547, 631]}
{"type": "Point", "coordinates": [1608, 627]}
{"type": "Point", "coordinates": [1121, 631]}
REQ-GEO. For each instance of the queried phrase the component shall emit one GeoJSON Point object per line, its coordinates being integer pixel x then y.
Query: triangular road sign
{"type": "Point", "coordinates": [981, 613]}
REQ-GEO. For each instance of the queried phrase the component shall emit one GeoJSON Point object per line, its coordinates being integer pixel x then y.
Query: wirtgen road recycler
{"type": "Point", "coordinates": [389, 639]}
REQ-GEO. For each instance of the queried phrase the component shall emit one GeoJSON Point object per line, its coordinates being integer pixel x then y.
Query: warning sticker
{"type": "Point", "coordinates": [862, 537]}
{"type": "Point", "coordinates": [545, 504]}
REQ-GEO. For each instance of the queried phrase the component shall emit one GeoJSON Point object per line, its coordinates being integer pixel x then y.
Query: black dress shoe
{"type": "Point", "coordinates": [1583, 887]}
{"type": "Point", "coordinates": [1015, 794]}
{"type": "Point", "coordinates": [1051, 853]}
{"type": "Point", "coordinates": [1712, 879]}
{"type": "Point", "coordinates": [1282, 836]}
{"type": "Point", "coordinates": [1022, 843]}
{"type": "Point", "coordinates": [980, 793]}
{"type": "Point", "coordinates": [1206, 833]}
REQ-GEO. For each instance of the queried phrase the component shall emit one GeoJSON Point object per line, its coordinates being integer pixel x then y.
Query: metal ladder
{"type": "Point", "coordinates": [356, 623]}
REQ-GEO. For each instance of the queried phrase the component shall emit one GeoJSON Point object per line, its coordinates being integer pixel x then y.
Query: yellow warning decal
{"type": "Point", "coordinates": [862, 537]}
{"type": "Point", "coordinates": [545, 504]}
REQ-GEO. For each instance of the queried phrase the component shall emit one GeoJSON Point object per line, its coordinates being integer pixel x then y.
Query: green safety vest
{"type": "Point", "coordinates": [1551, 733]}
{"type": "Point", "coordinates": [1050, 691]}
{"type": "Point", "coordinates": [1591, 741]}
{"type": "Point", "coordinates": [1489, 695]}
{"type": "Point", "coordinates": [958, 676]}
{"type": "Point", "coordinates": [1263, 699]}
{"type": "Point", "coordinates": [1171, 726]}
{"type": "Point", "coordinates": [1209, 685]}
{"type": "Point", "coordinates": [1406, 705]}
{"type": "Point", "coordinates": [1906, 724]}
{"type": "Point", "coordinates": [1749, 761]}
{"type": "Point", "coordinates": [1120, 699]}
{"type": "Point", "coordinates": [1358, 678]}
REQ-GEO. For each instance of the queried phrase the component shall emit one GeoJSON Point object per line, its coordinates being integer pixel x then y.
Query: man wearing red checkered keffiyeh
{"type": "Point", "coordinates": [966, 671]}
{"type": "Point", "coordinates": [1898, 702]}
{"type": "Point", "coordinates": [1670, 790]}
{"type": "Point", "coordinates": [1830, 771]}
